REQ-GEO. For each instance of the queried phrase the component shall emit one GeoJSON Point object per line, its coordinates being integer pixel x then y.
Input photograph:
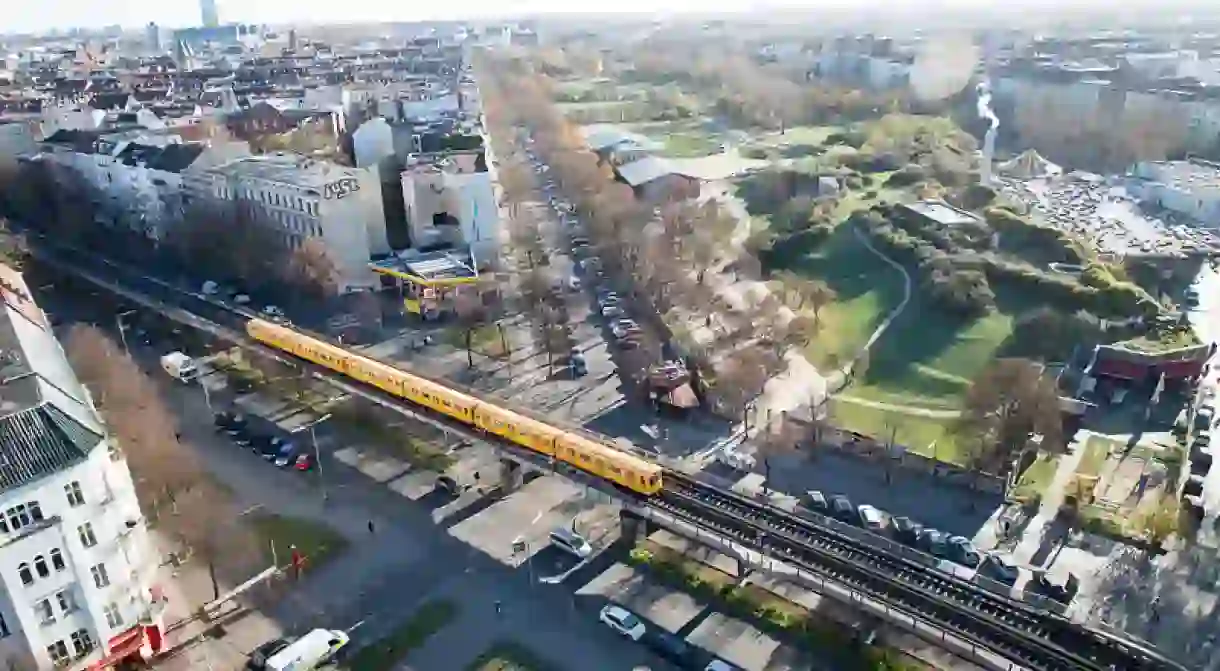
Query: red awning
{"type": "Point", "coordinates": [122, 647]}
{"type": "Point", "coordinates": [1126, 370]}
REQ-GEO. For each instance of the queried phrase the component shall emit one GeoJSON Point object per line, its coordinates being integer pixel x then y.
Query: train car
{"type": "Point", "coordinates": [589, 455]}
{"type": "Point", "coordinates": [621, 468]}
{"type": "Point", "coordinates": [299, 345]}
{"type": "Point", "coordinates": [520, 429]}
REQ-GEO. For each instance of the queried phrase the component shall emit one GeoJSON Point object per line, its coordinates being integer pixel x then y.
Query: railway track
{"type": "Point", "coordinates": [1032, 638]}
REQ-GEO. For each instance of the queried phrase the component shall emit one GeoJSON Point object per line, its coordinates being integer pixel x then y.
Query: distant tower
{"type": "Point", "coordinates": [152, 34]}
{"type": "Point", "coordinates": [292, 39]}
{"type": "Point", "coordinates": [207, 9]}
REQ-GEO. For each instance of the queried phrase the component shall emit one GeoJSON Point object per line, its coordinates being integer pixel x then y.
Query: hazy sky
{"type": "Point", "coordinates": [29, 15]}
{"type": "Point", "coordinates": [38, 15]}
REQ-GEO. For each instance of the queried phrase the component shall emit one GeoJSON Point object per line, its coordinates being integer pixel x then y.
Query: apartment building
{"type": "Point", "coordinates": [136, 177]}
{"type": "Point", "coordinates": [305, 199]}
{"type": "Point", "coordinates": [77, 566]}
{"type": "Point", "coordinates": [450, 199]}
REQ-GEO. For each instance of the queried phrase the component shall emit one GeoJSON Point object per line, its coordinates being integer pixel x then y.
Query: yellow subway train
{"type": "Point", "coordinates": [599, 459]}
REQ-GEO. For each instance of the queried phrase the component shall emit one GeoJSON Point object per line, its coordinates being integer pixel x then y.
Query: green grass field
{"type": "Point", "coordinates": [385, 654]}
{"type": "Point", "coordinates": [510, 656]}
{"type": "Point", "coordinates": [317, 542]}
{"type": "Point", "coordinates": [1036, 478]}
{"type": "Point", "coordinates": [927, 436]}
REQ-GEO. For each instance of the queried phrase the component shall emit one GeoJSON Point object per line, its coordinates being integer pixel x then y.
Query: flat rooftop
{"type": "Point", "coordinates": [290, 169]}
{"type": "Point", "coordinates": [942, 213]}
{"type": "Point", "coordinates": [432, 267]}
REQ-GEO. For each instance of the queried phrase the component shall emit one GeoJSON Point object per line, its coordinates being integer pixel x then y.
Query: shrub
{"type": "Point", "coordinates": [910, 175]}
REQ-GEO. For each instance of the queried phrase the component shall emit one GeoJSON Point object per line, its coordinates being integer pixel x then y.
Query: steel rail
{"type": "Point", "coordinates": [1029, 636]}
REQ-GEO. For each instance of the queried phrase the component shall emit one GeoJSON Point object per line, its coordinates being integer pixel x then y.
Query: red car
{"type": "Point", "coordinates": [304, 462]}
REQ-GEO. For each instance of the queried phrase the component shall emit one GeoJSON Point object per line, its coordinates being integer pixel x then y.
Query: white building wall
{"type": "Point", "coordinates": [476, 211]}
{"type": "Point", "coordinates": [430, 108]}
{"type": "Point", "coordinates": [372, 141]}
{"type": "Point", "coordinates": [123, 551]}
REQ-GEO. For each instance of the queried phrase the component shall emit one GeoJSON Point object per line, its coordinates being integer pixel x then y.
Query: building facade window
{"type": "Point", "coordinates": [58, 653]}
{"type": "Point", "coordinates": [20, 516]}
{"type": "Point", "coordinates": [82, 642]}
{"type": "Point", "coordinates": [100, 577]}
{"type": "Point", "coordinates": [87, 538]}
{"type": "Point", "coordinates": [40, 566]}
{"type": "Point", "coordinates": [114, 617]}
{"type": "Point", "coordinates": [45, 613]}
{"type": "Point", "coordinates": [75, 496]}
{"type": "Point", "coordinates": [57, 560]}
{"type": "Point", "coordinates": [23, 571]}
{"type": "Point", "coordinates": [4, 630]}
{"type": "Point", "coordinates": [67, 602]}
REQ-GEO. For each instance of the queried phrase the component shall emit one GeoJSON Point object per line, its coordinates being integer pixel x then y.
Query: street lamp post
{"type": "Point", "coordinates": [118, 320]}
{"type": "Point", "coordinates": [317, 455]}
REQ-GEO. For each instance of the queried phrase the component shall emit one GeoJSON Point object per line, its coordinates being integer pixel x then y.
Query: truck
{"type": "Point", "coordinates": [308, 652]}
{"type": "Point", "coordinates": [180, 366]}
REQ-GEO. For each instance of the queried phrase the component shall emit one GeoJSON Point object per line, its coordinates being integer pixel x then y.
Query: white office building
{"type": "Point", "coordinates": [306, 199]}
{"type": "Point", "coordinates": [77, 566]}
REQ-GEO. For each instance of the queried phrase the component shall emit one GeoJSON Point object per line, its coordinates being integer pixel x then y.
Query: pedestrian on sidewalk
{"type": "Point", "coordinates": [499, 607]}
{"type": "Point", "coordinates": [372, 529]}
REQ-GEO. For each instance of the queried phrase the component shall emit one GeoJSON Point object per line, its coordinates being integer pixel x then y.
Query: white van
{"type": "Point", "coordinates": [180, 366]}
{"type": "Point", "coordinates": [309, 651]}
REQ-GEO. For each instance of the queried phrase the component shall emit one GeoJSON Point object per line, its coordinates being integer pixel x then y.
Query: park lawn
{"type": "Point", "coordinates": [928, 359]}
{"type": "Point", "coordinates": [799, 135]}
{"type": "Point", "coordinates": [866, 290]}
{"type": "Point", "coordinates": [385, 654]}
{"type": "Point", "coordinates": [510, 656]}
{"type": "Point", "coordinates": [1035, 480]}
{"type": "Point", "coordinates": [689, 145]}
{"type": "Point", "coordinates": [926, 436]}
{"type": "Point", "coordinates": [317, 542]}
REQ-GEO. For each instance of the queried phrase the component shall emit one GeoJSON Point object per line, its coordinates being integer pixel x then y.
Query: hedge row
{"type": "Point", "coordinates": [737, 601]}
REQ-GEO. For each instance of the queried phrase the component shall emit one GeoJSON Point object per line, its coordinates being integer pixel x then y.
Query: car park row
{"type": "Point", "coordinates": [275, 449]}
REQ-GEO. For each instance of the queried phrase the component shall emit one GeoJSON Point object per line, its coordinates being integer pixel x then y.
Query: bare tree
{"type": "Point", "coordinates": [311, 269]}
{"type": "Point", "coordinates": [209, 526]}
{"type": "Point", "coordinates": [1010, 403]}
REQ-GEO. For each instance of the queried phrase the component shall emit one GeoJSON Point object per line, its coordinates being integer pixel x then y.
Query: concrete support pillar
{"type": "Point", "coordinates": [510, 476]}
{"type": "Point", "coordinates": [633, 527]}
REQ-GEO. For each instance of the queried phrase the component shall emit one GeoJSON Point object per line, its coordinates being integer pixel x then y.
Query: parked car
{"type": "Point", "coordinates": [571, 542]}
{"type": "Point", "coordinates": [448, 484]}
{"type": "Point", "coordinates": [260, 655]}
{"type": "Point", "coordinates": [933, 541]}
{"type": "Point", "coordinates": [962, 551]}
{"type": "Point", "coordinates": [611, 310]}
{"type": "Point", "coordinates": [999, 569]}
{"type": "Point", "coordinates": [580, 367]}
{"type": "Point", "coordinates": [304, 462]}
{"type": "Point", "coordinates": [623, 327]}
{"type": "Point", "coordinates": [273, 446]}
{"type": "Point", "coordinates": [871, 518]}
{"type": "Point", "coordinates": [286, 456]}
{"type": "Point", "coordinates": [672, 649]}
{"type": "Point", "coordinates": [623, 621]}
{"type": "Point", "coordinates": [905, 530]}
{"type": "Point", "coordinates": [842, 510]}
{"type": "Point", "coordinates": [273, 313]}
{"type": "Point", "coordinates": [230, 423]}
{"type": "Point", "coordinates": [816, 501]}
